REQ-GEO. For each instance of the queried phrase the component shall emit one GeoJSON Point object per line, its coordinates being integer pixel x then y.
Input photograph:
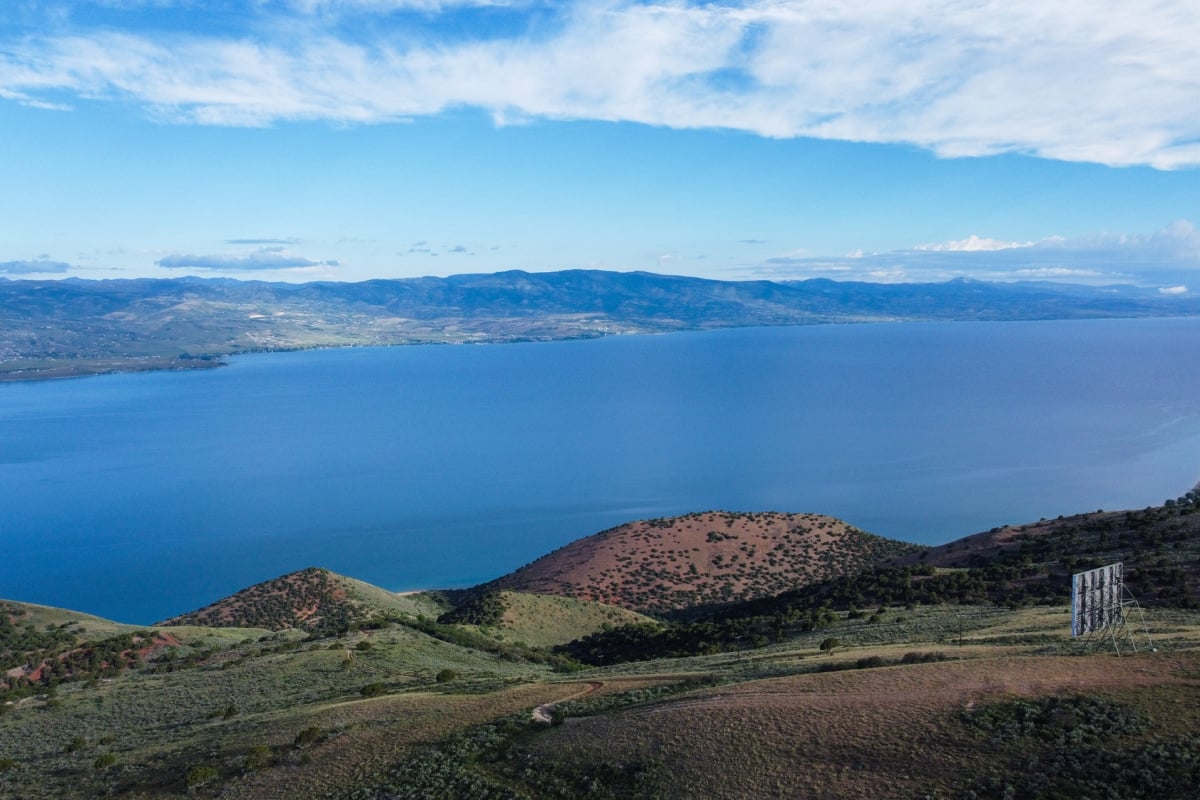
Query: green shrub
{"type": "Point", "coordinates": [104, 761]}
{"type": "Point", "coordinates": [445, 676]}
{"type": "Point", "coordinates": [258, 757]}
{"type": "Point", "coordinates": [373, 689]}
{"type": "Point", "coordinates": [6, 764]}
{"type": "Point", "coordinates": [308, 736]}
{"type": "Point", "coordinates": [199, 776]}
{"type": "Point", "coordinates": [830, 643]}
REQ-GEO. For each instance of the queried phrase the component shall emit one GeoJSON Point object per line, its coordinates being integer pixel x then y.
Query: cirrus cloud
{"type": "Point", "coordinates": [1080, 80]}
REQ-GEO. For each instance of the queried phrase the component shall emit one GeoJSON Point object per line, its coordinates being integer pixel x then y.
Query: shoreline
{"type": "Point", "coordinates": [84, 368]}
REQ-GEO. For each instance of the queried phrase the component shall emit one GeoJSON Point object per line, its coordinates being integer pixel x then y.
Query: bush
{"type": "Point", "coordinates": [373, 689]}
{"type": "Point", "coordinates": [6, 764]}
{"type": "Point", "coordinates": [105, 761]}
{"type": "Point", "coordinates": [258, 757]}
{"type": "Point", "coordinates": [363, 645]}
{"type": "Point", "coordinates": [199, 776]}
{"type": "Point", "coordinates": [308, 736]}
{"type": "Point", "coordinates": [830, 643]}
{"type": "Point", "coordinates": [445, 676]}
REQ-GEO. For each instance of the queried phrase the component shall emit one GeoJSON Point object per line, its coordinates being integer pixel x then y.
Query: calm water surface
{"type": "Point", "coordinates": [137, 497]}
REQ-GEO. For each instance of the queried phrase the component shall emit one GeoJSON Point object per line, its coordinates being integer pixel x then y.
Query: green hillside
{"type": "Point", "coordinates": [535, 620]}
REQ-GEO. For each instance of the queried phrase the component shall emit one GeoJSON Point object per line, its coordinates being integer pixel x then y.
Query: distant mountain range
{"type": "Point", "coordinates": [55, 328]}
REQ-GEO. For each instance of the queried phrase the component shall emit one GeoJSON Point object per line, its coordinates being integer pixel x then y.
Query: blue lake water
{"type": "Point", "coordinates": [137, 497]}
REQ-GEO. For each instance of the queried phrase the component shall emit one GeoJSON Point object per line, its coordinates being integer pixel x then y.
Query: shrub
{"type": "Point", "coordinates": [829, 643]}
{"type": "Point", "coordinates": [258, 757]}
{"type": "Point", "coordinates": [308, 736]}
{"type": "Point", "coordinates": [6, 764]}
{"type": "Point", "coordinates": [363, 645]}
{"type": "Point", "coordinates": [104, 761]}
{"type": "Point", "coordinates": [373, 689]}
{"type": "Point", "coordinates": [445, 676]}
{"type": "Point", "coordinates": [198, 776]}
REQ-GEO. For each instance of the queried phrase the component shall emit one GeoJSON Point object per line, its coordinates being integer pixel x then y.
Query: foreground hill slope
{"type": "Point", "coordinates": [661, 565]}
{"type": "Point", "coordinates": [953, 729]}
{"type": "Point", "coordinates": [945, 686]}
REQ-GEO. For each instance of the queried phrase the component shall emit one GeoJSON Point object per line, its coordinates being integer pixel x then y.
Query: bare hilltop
{"type": "Point", "coordinates": [667, 564]}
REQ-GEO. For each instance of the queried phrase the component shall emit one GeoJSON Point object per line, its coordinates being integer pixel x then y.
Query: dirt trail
{"type": "Point", "coordinates": [545, 712]}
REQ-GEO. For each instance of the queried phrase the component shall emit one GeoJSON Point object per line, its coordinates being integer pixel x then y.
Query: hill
{"type": "Point", "coordinates": [662, 565]}
{"type": "Point", "coordinates": [312, 599]}
{"type": "Point", "coordinates": [1159, 545]}
{"type": "Point", "coordinates": [1013, 567]}
{"type": "Point", "coordinates": [54, 328]}
{"type": "Point", "coordinates": [320, 602]}
{"type": "Point", "coordinates": [42, 647]}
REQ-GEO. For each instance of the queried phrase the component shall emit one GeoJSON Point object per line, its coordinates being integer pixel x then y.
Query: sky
{"type": "Point", "coordinates": [877, 140]}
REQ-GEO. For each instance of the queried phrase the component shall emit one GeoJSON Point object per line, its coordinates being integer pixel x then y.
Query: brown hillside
{"type": "Point", "coordinates": [661, 565]}
{"type": "Point", "coordinates": [894, 732]}
{"type": "Point", "coordinates": [310, 599]}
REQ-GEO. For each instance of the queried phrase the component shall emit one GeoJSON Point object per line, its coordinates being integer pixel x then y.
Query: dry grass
{"type": "Point", "coordinates": [848, 734]}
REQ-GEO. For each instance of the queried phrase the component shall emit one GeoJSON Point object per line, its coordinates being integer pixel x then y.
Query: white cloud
{"type": "Point", "coordinates": [38, 266]}
{"type": "Point", "coordinates": [1083, 80]}
{"type": "Point", "coordinates": [972, 244]}
{"type": "Point", "coordinates": [1163, 259]}
{"type": "Point", "coordinates": [267, 258]}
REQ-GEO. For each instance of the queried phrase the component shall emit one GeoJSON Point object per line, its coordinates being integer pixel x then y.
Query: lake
{"type": "Point", "coordinates": [137, 497]}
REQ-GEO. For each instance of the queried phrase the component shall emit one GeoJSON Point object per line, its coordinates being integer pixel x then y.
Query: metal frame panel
{"type": "Point", "coordinates": [1096, 597]}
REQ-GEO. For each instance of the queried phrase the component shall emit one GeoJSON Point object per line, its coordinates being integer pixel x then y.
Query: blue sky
{"type": "Point", "coordinates": [882, 140]}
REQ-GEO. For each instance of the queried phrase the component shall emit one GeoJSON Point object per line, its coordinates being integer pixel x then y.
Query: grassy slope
{"type": "Point", "coordinates": [545, 620]}
{"type": "Point", "coordinates": [87, 626]}
{"type": "Point", "coordinates": [776, 725]}
{"type": "Point", "coordinates": [852, 733]}
{"type": "Point", "coordinates": [158, 724]}
{"type": "Point", "coordinates": [654, 566]}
